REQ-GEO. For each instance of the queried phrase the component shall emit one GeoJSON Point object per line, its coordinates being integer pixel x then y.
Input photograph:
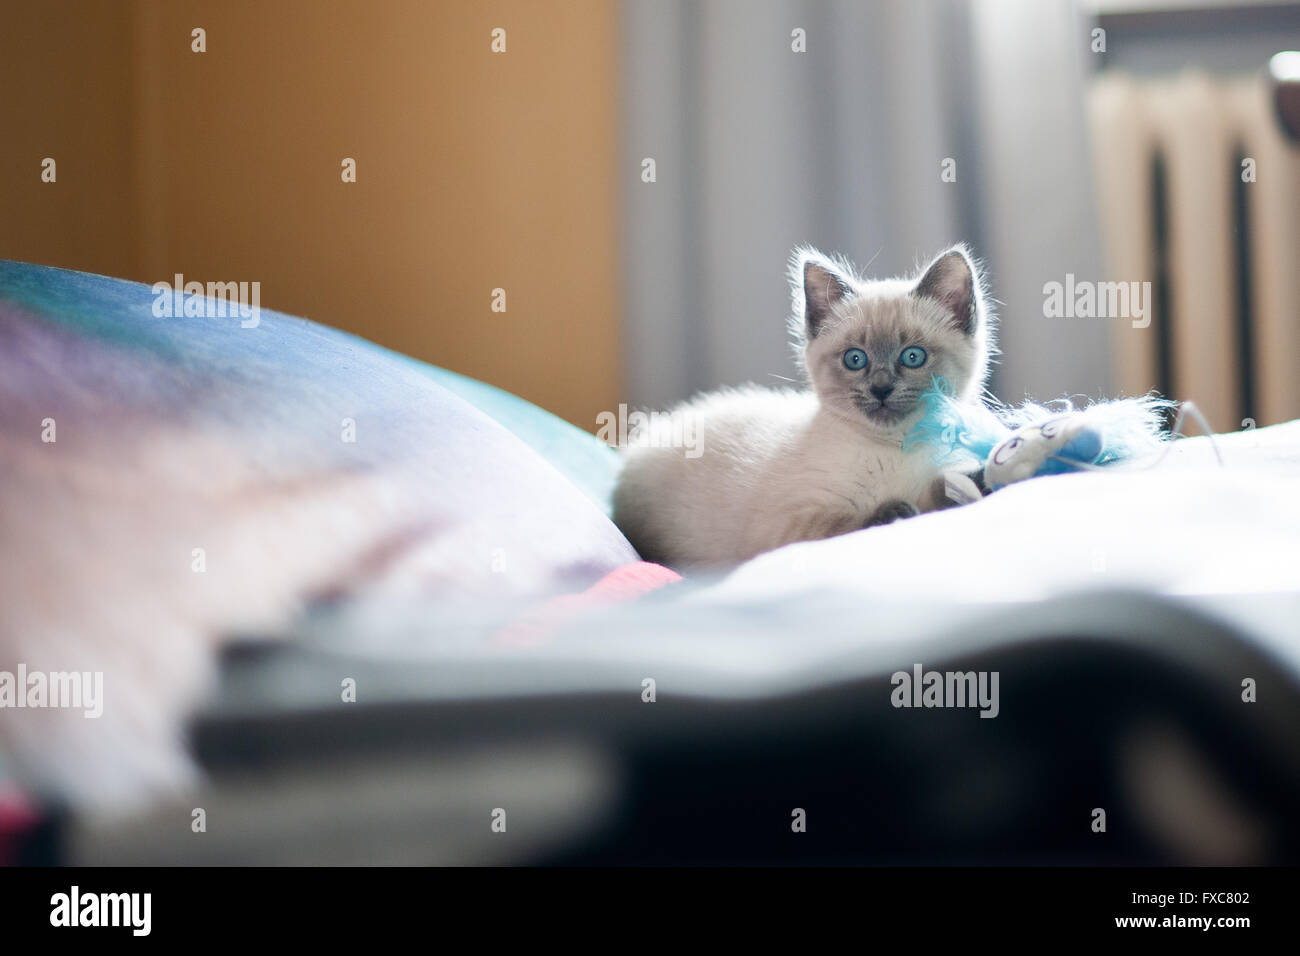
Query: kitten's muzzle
{"type": "Point", "coordinates": [878, 411]}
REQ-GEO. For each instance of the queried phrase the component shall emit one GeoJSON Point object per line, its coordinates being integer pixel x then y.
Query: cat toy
{"type": "Point", "coordinates": [1015, 443]}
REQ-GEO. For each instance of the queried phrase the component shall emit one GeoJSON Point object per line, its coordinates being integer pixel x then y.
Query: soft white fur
{"type": "Point", "coordinates": [779, 466]}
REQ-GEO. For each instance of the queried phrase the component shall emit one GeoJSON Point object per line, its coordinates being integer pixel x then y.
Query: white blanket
{"type": "Point", "coordinates": [1176, 524]}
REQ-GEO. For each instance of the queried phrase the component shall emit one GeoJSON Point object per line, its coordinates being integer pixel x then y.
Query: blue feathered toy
{"type": "Point", "coordinates": [1014, 443]}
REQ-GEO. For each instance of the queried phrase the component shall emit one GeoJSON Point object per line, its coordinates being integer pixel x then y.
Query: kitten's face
{"type": "Point", "coordinates": [872, 348]}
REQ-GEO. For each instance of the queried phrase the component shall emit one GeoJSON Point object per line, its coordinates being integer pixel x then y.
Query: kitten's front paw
{"type": "Point", "coordinates": [954, 488]}
{"type": "Point", "coordinates": [1048, 448]}
{"type": "Point", "coordinates": [891, 511]}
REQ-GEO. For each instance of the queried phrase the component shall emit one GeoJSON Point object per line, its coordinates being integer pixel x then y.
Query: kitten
{"type": "Point", "coordinates": [779, 466]}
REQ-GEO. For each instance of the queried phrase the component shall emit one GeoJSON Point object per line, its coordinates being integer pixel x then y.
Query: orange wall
{"type": "Point", "coordinates": [475, 170]}
{"type": "Point", "coordinates": [65, 93]}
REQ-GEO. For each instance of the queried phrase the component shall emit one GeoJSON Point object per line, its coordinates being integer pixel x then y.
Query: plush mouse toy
{"type": "Point", "coordinates": [1012, 444]}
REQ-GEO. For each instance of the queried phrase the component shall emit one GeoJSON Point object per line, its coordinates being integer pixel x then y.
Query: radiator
{"type": "Point", "coordinates": [1222, 254]}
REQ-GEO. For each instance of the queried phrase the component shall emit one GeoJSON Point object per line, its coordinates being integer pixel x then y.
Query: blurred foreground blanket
{"type": "Point", "coordinates": [167, 482]}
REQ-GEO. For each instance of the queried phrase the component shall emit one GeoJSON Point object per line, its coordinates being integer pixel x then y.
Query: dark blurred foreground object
{"type": "Point", "coordinates": [1285, 72]}
{"type": "Point", "coordinates": [1136, 712]}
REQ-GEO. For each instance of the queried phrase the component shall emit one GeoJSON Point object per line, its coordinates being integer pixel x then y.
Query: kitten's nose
{"type": "Point", "coordinates": [881, 392]}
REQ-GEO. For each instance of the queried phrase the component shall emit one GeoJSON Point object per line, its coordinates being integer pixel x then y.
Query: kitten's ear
{"type": "Point", "coordinates": [952, 281]}
{"type": "Point", "coordinates": [819, 285]}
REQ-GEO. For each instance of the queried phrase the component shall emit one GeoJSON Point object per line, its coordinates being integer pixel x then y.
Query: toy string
{"type": "Point", "coordinates": [1176, 431]}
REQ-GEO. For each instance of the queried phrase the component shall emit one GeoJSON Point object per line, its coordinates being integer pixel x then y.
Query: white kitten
{"type": "Point", "coordinates": [779, 465]}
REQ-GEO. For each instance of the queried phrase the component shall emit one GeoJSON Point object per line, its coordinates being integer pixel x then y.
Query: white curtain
{"type": "Point", "coordinates": [758, 148]}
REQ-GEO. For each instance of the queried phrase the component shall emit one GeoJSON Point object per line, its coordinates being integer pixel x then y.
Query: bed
{"type": "Point", "coordinates": [334, 591]}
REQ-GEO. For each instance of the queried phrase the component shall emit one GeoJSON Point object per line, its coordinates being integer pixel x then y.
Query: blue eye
{"type": "Point", "coordinates": [855, 360]}
{"type": "Point", "coordinates": [912, 357]}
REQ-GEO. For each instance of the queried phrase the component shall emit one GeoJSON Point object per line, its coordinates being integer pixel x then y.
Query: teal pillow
{"type": "Point", "coordinates": [97, 305]}
{"type": "Point", "coordinates": [584, 459]}
{"type": "Point", "coordinates": [501, 495]}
